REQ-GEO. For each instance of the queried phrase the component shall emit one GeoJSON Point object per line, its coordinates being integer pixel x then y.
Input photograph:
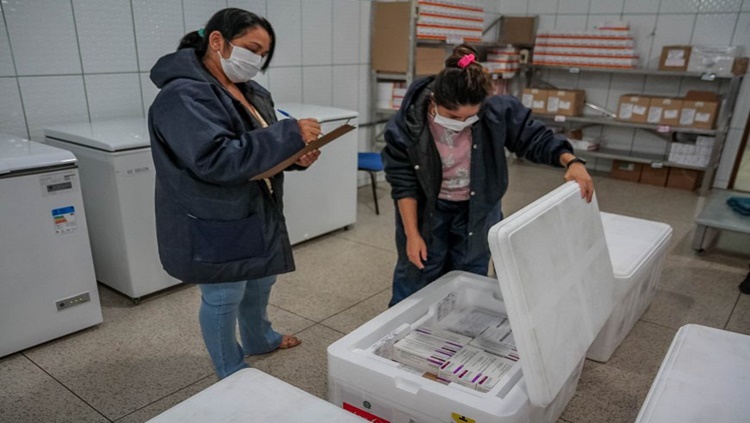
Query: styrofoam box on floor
{"type": "Point", "coordinates": [638, 249]}
{"type": "Point", "coordinates": [704, 377]}
{"type": "Point", "coordinates": [557, 296]}
{"type": "Point", "coordinates": [250, 395]}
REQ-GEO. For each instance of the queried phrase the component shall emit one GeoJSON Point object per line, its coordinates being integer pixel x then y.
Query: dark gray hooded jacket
{"type": "Point", "coordinates": [213, 224]}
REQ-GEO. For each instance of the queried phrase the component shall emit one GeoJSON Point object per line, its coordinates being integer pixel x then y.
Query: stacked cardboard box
{"type": "Point", "coordinates": [554, 102]}
{"type": "Point", "coordinates": [457, 21]}
{"type": "Point", "coordinates": [610, 46]}
{"type": "Point", "coordinates": [698, 109]}
{"type": "Point", "coordinates": [391, 94]}
{"type": "Point", "coordinates": [502, 60]}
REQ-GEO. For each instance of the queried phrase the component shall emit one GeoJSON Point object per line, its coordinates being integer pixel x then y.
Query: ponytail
{"type": "Point", "coordinates": [463, 81]}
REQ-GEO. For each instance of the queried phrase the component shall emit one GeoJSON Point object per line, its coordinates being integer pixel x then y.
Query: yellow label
{"type": "Point", "coordinates": [461, 419]}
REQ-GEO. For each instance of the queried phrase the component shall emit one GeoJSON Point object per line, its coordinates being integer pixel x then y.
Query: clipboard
{"type": "Point", "coordinates": [320, 142]}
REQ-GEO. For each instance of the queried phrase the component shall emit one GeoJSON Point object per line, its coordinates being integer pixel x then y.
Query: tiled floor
{"type": "Point", "coordinates": [144, 359]}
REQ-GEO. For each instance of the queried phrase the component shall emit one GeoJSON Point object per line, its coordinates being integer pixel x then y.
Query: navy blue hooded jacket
{"type": "Point", "coordinates": [212, 223]}
{"type": "Point", "coordinates": [414, 169]}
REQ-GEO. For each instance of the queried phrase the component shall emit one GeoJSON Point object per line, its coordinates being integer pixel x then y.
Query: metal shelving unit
{"type": "Point", "coordinates": [720, 134]}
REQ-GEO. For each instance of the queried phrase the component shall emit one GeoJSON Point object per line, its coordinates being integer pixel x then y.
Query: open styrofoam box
{"type": "Point", "coordinates": [556, 287]}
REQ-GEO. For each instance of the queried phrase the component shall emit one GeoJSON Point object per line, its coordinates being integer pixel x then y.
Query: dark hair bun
{"type": "Point", "coordinates": [458, 53]}
{"type": "Point", "coordinates": [456, 85]}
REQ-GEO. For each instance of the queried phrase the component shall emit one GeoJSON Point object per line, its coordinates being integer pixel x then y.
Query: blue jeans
{"type": "Point", "coordinates": [222, 305]}
{"type": "Point", "coordinates": [447, 251]}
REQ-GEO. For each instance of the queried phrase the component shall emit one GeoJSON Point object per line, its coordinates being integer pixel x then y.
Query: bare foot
{"type": "Point", "coordinates": [288, 341]}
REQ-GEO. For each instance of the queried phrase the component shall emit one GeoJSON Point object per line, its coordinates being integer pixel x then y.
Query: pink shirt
{"type": "Point", "coordinates": [455, 153]}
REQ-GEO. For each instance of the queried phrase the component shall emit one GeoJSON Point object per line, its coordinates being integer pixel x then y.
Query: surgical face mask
{"type": "Point", "coordinates": [453, 124]}
{"type": "Point", "coordinates": [242, 64]}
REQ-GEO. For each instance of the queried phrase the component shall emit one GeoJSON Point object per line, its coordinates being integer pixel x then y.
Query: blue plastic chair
{"type": "Point", "coordinates": [371, 163]}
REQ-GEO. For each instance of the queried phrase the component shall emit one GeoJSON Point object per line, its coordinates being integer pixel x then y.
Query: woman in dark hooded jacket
{"type": "Point", "coordinates": [445, 161]}
{"type": "Point", "coordinates": [213, 130]}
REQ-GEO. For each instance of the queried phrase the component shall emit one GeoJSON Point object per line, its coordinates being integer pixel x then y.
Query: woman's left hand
{"type": "Point", "coordinates": [308, 158]}
{"type": "Point", "coordinates": [577, 172]}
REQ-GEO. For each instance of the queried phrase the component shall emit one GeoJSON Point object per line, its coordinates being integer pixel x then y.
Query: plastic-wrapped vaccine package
{"type": "Point", "coordinates": [475, 369]}
{"type": "Point", "coordinates": [471, 321]}
{"type": "Point", "coordinates": [498, 340]}
{"type": "Point", "coordinates": [427, 349]}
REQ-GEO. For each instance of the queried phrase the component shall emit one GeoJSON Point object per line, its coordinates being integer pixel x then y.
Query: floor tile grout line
{"type": "Point", "coordinates": [162, 398]}
{"type": "Point", "coordinates": [734, 308]}
{"type": "Point", "coordinates": [659, 324]}
{"type": "Point", "coordinates": [66, 387]}
{"type": "Point", "coordinates": [355, 305]}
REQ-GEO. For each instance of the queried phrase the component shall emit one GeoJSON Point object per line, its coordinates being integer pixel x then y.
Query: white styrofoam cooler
{"type": "Point", "coordinates": [250, 395]}
{"type": "Point", "coordinates": [704, 377]}
{"type": "Point", "coordinates": [638, 249]}
{"type": "Point", "coordinates": [557, 296]}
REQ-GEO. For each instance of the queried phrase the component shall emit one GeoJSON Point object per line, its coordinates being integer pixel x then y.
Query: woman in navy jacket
{"type": "Point", "coordinates": [212, 130]}
{"type": "Point", "coordinates": [445, 161]}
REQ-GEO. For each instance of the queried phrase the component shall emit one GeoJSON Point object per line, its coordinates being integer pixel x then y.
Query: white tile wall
{"type": "Point", "coordinates": [365, 30]}
{"type": "Point", "coordinates": [317, 84]}
{"type": "Point", "coordinates": [606, 6]}
{"type": "Point", "coordinates": [679, 6]}
{"type": "Point", "coordinates": [746, 6]}
{"type": "Point", "coordinates": [148, 91]}
{"type": "Point", "coordinates": [513, 7]}
{"type": "Point", "coordinates": [597, 88]}
{"type": "Point", "coordinates": [51, 100]}
{"type": "Point", "coordinates": [670, 30]}
{"type": "Point", "coordinates": [641, 6]}
{"type": "Point", "coordinates": [543, 6]}
{"type": "Point", "coordinates": [345, 32]}
{"type": "Point", "coordinates": [99, 23]}
{"type": "Point", "coordinates": [546, 22]}
{"type": "Point", "coordinates": [114, 96]}
{"type": "Point", "coordinates": [158, 29]}
{"type": "Point", "coordinates": [364, 93]}
{"type": "Point", "coordinates": [571, 22]}
{"type": "Point", "coordinates": [286, 18]}
{"type": "Point", "coordinates": [262, 79]}
{"type": "Point", "coordinates": [6, 60]}
{"type": "Point", "coordinates": [50, 48]}
{"type": "Point", "coordinates": [11, 110]}
{"type": "Point", "coordinates": [731, 147]}
{"type": "Point", "coordinates": [317, 32]}
{"type": "Point", "coordinates": [714, 29]}
{"type": "Point", "coordinates": [643, 28]}
{"type": "Point", "coordinates": [286, 84]}
{"type": "Point", "coordinates": [346, 87]}
{"type": "Point", "coordinates": [198, 12]}
{"type": "Point", "coordinates": [573, 6]}
{"type": "Point", "coordinates": [256, 6]}
{"type": "Point", "coordinates": [708, 6]}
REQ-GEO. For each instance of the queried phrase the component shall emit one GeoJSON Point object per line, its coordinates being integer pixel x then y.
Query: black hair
{"type": "Point", "coordinates": [231, 23]}
{"type": "Point", "coordinates": [458, 86]}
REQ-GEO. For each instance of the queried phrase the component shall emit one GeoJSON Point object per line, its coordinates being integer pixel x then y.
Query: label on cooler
{"type": "Point", "coordinates": [654, 114]}
{"type": "Point", "coordinates": [626, 111]}
{"type": "Point", "coordinates": [65, 220]}
{"type": "Point", "coordinates": [687, 117]}
{"type": "Point", "coordinates": [528, 100]}
{"type": "Point", "coordinates": [58, 183]}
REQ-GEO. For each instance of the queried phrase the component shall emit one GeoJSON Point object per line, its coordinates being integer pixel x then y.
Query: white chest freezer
{"type": "Point", "coordinates": [253, 396]}
{"type": "Point", "coordinates": [47, 283]}
{"type": "Point", "coordinates": [117, 178]}
{"type": "Point", "coordinates": [705, 377]}
{"type": "Point", "coordinates": [555, 285]}
{"type": "Point", "coordinates": [323, 198]}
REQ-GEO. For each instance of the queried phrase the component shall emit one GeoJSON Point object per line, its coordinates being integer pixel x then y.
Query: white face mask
{"type": "Point", "coordinates": [242, 64]}
{"type": "Point", "coordinates": [453, 124]}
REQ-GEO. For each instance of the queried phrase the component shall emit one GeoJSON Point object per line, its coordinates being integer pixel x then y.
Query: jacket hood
{"type": "Point", "coordinates": [182, 64]}
{"type": "Point", "coordinates": [411, 116]}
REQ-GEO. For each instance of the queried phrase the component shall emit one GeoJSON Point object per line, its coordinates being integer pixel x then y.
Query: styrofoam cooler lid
{"type": "Point", "coordinates": [321, 113]}
{"type": "Point", "coordinates": [556, 279]}
{"type": "Point", "coordinates": [704, 378]}
{"type": "Point", "coordinates": [632, 241]}
{"type": "Point", "coordinates": [18, 154]}
{"type": "Point", "coordinates": [110, 135]}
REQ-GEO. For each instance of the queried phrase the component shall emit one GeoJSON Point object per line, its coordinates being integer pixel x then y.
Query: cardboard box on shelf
{"type": "Point", "coordinates": [566, 102]}
{"type": "Point", "coordinates": [535, 99]}
{"type": "Point", "coordinates": [740, 66]}
{"type": "Point", "coordinates": [670, 110]}
{"type": "Point", "coordinates": [654, 176]}
{"type": "Point", "coordinates": [700, 109]}
{"type": "Point", "coordinates": [390, 42]}
{"type": "Point", "coordinates": [633, 108]}
{"type": "Point", "coordinates": [517, 30]}
{"type": "Point", "coordinates": [686, 179]}
{"type": "Point", "coordinates": [626, 171]}
{"type": "Point", "coordinates": [675, 58]}
{"type": "Point", "coordinates": [714, 59]}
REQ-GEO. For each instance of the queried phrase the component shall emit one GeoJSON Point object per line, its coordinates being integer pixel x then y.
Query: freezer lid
{"type": "Point", "coordinates": [632, 241]}
{"type": "Point", "coordinates": [111, 135]}
{"type": "Point", "coordinates": [18, 154]}
{"type": "Point", "coordinates": [556, 280]}
{"type": "Point", "coordinates": [321, 113]}
{"type": "Point", "coordinates": [703, 378]}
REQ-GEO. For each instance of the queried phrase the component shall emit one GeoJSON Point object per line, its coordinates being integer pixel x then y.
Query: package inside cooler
{"type": "Point", "coordinates": [703, 378]}
{"type": "Point", "coordinates": [251, 395]}
{"type": "Point", "coordinates": [528, 333]}
{"type": "Point", "coordinates": [638, 249]}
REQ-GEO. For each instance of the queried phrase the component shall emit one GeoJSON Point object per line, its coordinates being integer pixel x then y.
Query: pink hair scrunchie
{"type": "Point", "coordinates": [466, 61]}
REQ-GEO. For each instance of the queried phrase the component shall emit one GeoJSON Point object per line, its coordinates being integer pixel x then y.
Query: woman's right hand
{"type": "Point", "coordinates": [416, 250]}
{"type": "Point", "coordinates": [309, 129]}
